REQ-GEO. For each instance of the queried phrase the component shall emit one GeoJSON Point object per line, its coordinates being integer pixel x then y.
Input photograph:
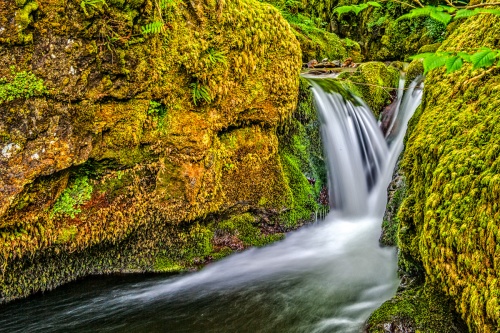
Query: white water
{"type": "Point", "coordinates": [326, 277]}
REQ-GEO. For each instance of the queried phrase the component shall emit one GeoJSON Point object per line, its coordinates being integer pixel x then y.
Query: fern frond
{"type": "Point", "coordinates": [153, 28]}
{"type": "Point", "coordinates": [216, 56]}
{"type": "Point", "coordinates": [199, 92]}
{"type": "Point", "coordinates": [355, 8]}
{"type": "Point", "coordinates": [374, 4]}
{"type": "Point", "coordinates": [490, 11]}
{"type": "Point", "coordinates": [343, 10]}
{"type": "Point", "coordinates": [440, 16]}
{"type": "Point", "coordinates": [417, 12]}
{"type": "Point", "coordinates": [484, 58]}
{"type": "Point", "coordinates": [464, 13]}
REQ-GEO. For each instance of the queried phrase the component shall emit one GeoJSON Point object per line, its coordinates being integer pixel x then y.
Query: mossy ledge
{"type": "Point", "coordinates": [147, 151]}
{"type": "Point", "coordinates": [448, 230]}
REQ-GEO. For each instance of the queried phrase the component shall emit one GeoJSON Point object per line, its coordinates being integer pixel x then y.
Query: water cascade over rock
{"type": "Point", "coordinates": [327, 277]}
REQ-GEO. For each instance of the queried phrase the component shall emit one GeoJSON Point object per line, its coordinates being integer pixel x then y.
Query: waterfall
{"type": "Point", "coordinates": [326, 277]}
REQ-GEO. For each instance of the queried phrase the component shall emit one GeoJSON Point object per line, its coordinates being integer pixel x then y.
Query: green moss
{"type": "Point", "coordinates": [448, 219]}
{"type": "Point", "coordinates": [245, 228]}
{"type": "Point", "coordinates": [375, 83]}
{"type": "Point", "coordinates": [420, 309]}
{"type": "Point", "coordinates": [72, 198]}
{"type": "Point", "coordinates": [66, 234]}
{"type": "Point", "coordinates": [20, 85]}
{"type": "Point", "coordinates": [301, 154]}
{"type": "Point", "coordinates": [166, 265]}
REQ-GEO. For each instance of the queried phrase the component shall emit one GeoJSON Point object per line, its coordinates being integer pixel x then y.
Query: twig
{"type": "Point", "coordinates": [480, 5]}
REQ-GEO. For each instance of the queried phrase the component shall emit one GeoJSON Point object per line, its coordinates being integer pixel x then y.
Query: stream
{"type": "Point", "coordinates": [325, 277]}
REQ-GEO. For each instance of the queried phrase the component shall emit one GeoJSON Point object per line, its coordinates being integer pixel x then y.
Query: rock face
{"type": "Point", "coordinates": [126, 125]}
{"type": "Point", "coordinates": [448, 230]}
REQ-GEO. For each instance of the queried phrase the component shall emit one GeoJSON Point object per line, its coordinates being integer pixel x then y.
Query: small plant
{"type": "Point", "coordinates": [216, 56]}
{"type": "Point", "coordinates": [445, 14]}
{"type": "Point", "coordinates": [94, 4]}
{"type": "Point", "coordinates": [483, 58]}
{"type": "Point", "coordinates": [158, 111]}
{"type": "Point", "coordinates": [153, 28]}
{"type": "Point", "coordinates": [355, 8]}
{"type": "Point", "coordinates": [23, 85]}
{"type": "Point", "coordinates": [72, 197]}
{"type": "Point", "coordinates": [199, 92]}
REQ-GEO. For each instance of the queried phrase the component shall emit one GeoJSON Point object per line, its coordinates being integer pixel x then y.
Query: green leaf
{"type": "Point", "coordinates": [484, 58]}
{"type": "Point", "coordinates": [453, 64]}
{"type": "Point", "coordinates": [425, 11]}
{"type": "Point", "coordinates": [448, 9]}
{"type": "Point", "coordinates": [490, 11]}
{"type": "Point", "coordinates": [442, 17]}
{"type": "Point", "coordinates": [422, 56]}
{"type": "Point", "coordinates": [359, 8]}
{"type": "Point", "coordinates": [464, 56]}
{"type": "Point", "coordinates": [374, 4]}
{"type": "Point", "coordinates": [343, 10]}
{"type": "Point", "coordinates": [436, 61]}
{"type": "Point", "coordinates": [463, 13]}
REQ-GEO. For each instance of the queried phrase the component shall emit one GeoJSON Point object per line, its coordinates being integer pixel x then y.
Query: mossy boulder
{"type": "Point", "coordinates": [416, 309]}
{"type": "Point", "coordinates": [450, 215]}
{"type": "Point", "coordinates": [375, 82]}
{"type": "Point", "coordinates": [141, 132]}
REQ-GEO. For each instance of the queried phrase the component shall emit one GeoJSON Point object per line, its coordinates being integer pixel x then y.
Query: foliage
{"type": "Point", "coordinates": [216, 56]}
{"type": "Point", "coordinates": [200, 92]}
{"type": "Point", "coordinates": [445, 14]}
{"type": "Point", "coordinates": [153, 28]}
{"type": "Point", "coordinates": [483, 58]}
{"type": "Point", "coordinates": [158, 111]}
{"type": "Point", "coordinates": [23, 85]}
{"type": "Point", "coordinates": [72, 197]}
{"type": "Point", "coordinates": [356, 9]}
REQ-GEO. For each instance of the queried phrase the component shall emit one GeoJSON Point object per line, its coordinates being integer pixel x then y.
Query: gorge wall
{"type": "Point", "coordinates": [147, 136]}
{"type": "Point", "coordinates": [448, 233]}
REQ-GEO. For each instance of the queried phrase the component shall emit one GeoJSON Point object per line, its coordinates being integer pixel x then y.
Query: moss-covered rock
{"type": "Point", "coordinates": [416, 309]}
{"type": "Point", "coordinates": [449, 217]}
{"type": "Point", "coordinates": [141, 134]}
{"type": "Point", "coordinates": [374, 82]}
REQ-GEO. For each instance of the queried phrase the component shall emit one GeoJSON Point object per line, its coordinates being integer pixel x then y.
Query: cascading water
{"type": "Point", "coordinates": [327, 277]}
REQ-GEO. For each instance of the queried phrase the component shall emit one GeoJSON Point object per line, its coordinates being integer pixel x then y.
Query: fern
{"type": "Point", "coordinates": [440, 14]}
{"type": "Point", "coordinates": [355, 8]}
{"type": "Point", "coordinates": [199, 92]}
{"type": "Point", "coordinates": [216, 56]}
{"type": "Point", "coordinates": [153, 28]}
{"type": "Point", "coordinates": [485, 57]}
{"type": "Point", "coordinates": [417, 12]}
{"type": "Point", "coordinates": [464, 13]}
{"type": "Point", "coordinates": [442, 17]}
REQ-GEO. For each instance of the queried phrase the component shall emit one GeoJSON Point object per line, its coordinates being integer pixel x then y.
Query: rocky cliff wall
{"type": "Point", "coordinates": [145, 136]}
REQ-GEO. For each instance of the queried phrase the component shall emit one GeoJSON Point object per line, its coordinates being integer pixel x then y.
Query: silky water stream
{"type": "Point", "coordinates": [326, 277]}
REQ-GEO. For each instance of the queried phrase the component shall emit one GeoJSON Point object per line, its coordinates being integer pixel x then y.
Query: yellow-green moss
{"type": "Point", "coordinates": [119, 111]}
{"type": "Point", "coordinates": [449, 218]}
{"type": "Point", "coordinates": [374, 82]}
